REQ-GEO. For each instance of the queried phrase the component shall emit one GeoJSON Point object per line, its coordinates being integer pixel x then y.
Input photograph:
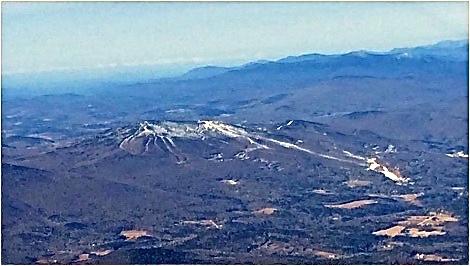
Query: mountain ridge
{"type": "Point", "coordinates": [440, 50]}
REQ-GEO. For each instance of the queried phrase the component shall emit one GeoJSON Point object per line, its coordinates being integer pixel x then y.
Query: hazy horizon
{"type": "Point", "coordinates": [67, 37]}
{"type": "Point", "coordinates": [84, 80]}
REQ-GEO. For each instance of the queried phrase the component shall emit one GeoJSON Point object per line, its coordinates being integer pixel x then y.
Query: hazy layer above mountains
{"type": "Point", "coordinates": [88, 81]}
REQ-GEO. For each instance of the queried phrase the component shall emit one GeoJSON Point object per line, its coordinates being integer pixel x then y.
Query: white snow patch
{"type": "Point", "coordinates": [286, 125]}
{"type": "Point", "coordinates": [207, 223]}
{"type": "Point", "coordinates": [391, 149]}
{"type": "Point", "coordinates": [459, 154]}
{"type": "Point", "coordinates": [180, 110]}
{"type": "Point", "coordinates": [379, 168]}
{"type": "Point", "coordinates": [230, 182]}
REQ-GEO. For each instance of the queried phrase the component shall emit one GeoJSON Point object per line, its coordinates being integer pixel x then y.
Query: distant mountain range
{"type": "Point", "coordinates": [444, 50]}
{"type": "Point", "coordinates": [302, 70]}
{"type": "Point", "coordinates": [210, 71]}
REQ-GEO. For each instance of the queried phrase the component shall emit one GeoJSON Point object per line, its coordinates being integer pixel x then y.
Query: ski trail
{"type": "Point", "coordinates": [257, 144]}
{"type": "Point", "coordinates": [295, 147]}
{"type": "Point", "coordinates": [166, 145]}
{"type": "Point", "coordinates": [349, 154]}
{"type": "Point", "coordinates": [171, 142]}
{"type": "Point", "coordinates": [147, 145]}
{"type": "Point", "coordinates": [173, 151]}
{"type": "Point", "coordinates": [155, 141]}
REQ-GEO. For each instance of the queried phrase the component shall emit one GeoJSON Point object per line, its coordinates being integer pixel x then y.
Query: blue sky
{"type": "Point", "coordinates": [40, 37]}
